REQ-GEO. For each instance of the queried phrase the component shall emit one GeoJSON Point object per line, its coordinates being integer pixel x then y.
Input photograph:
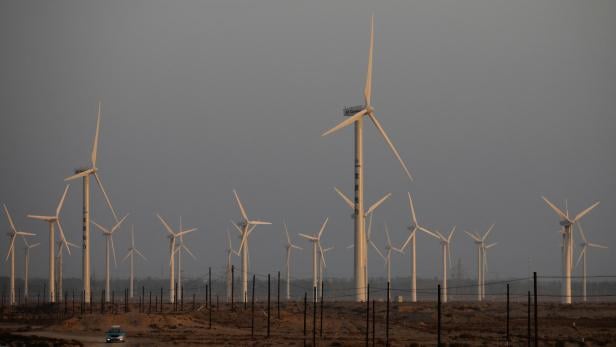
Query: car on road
{"type": "Point", "coordinates": [115, 334]}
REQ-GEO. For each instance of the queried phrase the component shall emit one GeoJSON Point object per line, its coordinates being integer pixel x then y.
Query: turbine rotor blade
{"type": "Point", "coordinates": [115, 262]}
{"type": "Point", "coordinates": [8, 216]}
{"type": "Point", "coordinates": [580, 256]}
{"type": "Point", "coordinates": [311, 238]}
{"type": "Point", "coordinates": [95, 144]}
{"type": "Point", "coordinates": [391, 145]}
{"type": "Point", "coordinates": [346, 122]}
{"type": "Point", "coordinates": [118, 224]}
{"type": "Point", "coordinates": [323, 228]}
{"type": "Point", "coordinates": [100, 185]}
{"type": "Point", "coordinates": [59, 208]}
{"type": "Point", "coordinates": [345, 198]}
{"type": "Point", "coordinates": [239, 204]}
{"type": "Point", "coordinates": [64, 241]}
{"type": "Point", "coordinates": [411, 235]}
{"type": "Point", "coordinates": [368, 86]}
{"type": "Point", "coordinates": [583, 213]}
{"type": "Point", "coordinates": [185, 232]}
{"type": "Point", "coordinates": [595, 245]}
{"type": "Point", "coordinates": [377, 249]}
{"type": "Point", "coordinates": [79, 175]}
{"type": "Point", "coordinates": [167, 227]}
{"type": "Point", "coordinates": [485, 236]}
{"type": "Point", "coordinates": [429, 232]}
{"type": "Point", "coordinates": [472, 236]}
{"type": "Point", "coordinates": [556, 209]}
{"type": "Point", "coordinates": [412, 209]}
{"type": "Point", "coordinates": [377, 204]}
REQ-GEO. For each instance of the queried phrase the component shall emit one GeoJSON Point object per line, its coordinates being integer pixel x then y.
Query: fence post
{"type": "Point", "coordinates": [373, 322]}
{"type": "Point", "coordinates": [65, 303]}
{"type": "Point", "coordinates": [84, 302]}
{"type": "Point", "coordinates": [232, 285]}
{"type": "Point", "coordinates": [305, 308]}
{"type": "Point", "coordinates": [387, 317]}
{"type": "Point", "coordinates": [528, 318]}
{"type": "Point", "coordinates": [368, 316]}
{"type": "Point", "coordinates": [161, 299]}
{"type": "Point", "coordinates": [206, 296]}
{"type": "Point", "coordinates": [507, 339]}
{"type": "Point", "coordinates": [209, 282]}
{"type": "Point", "coordinates": [182, 299]}
{"type": "Point", "coordinates": [321, 330]}
{"type": "Point", "coordinates": [438, 316]}
{"type": "Point", "coordinates": [278, 297]}
{"type": "Point", "coordinates": [536, 320]}
{"type": "Point", "coordinates": [150, 304]}
{"type": "Point", "coordinates": [193, 302]}
{"type": "Point", "coordinates": [268, 305]}
{"type": "Point", "coordinates": [103, 301]}
{"type": "Point", "coordinates": [252, 309]}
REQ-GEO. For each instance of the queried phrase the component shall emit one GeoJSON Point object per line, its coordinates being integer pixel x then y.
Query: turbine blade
{"type": "Point", "coordinates": [64, 241]}
{"type": "Point", "coordinates": [377, 204]}
{"type": "Point", "coordinates": [167, 227]}
{"type": "Point", "coordinates": [485, 236]}
{"type": "Point", "coordinates": [188, 251]}
{"type": "Point", "coordinates": [368, 86]}
{"type": "Point", "coordinates": [8, 216]}
{"type": "Point", "coordinates": [391, 145]}
{"type": "Point", "coordinates": [369, 227]}
{"type": "Point", "coordinates": [429, 232]}
{"type": "Point", "coordinates": [580, 256]}
{"type": "Point", "coordinates": [346, 122]}
{"type": "Point", "coordinates": [399, 250]}
{"type": "Point", "coordinates": [258, 222]}
{"type": "Point", "coordinates": [583, 213]}
{"type": "Point", "coordinates": [556, 209]}
{"type": "Point", "coordinates": [595, 245]}
{"type": "Point", "coordinates": [312, 238]}
{"type": "Point", "coordinates": [237, 227]}
{"type": "Point", "coordinates": [239, 204]}
{"type": "Point", "coordinates": [579, 225]}
{"type": "Point", "coordinates": [10, 248]}
{"type": "Point", "coordinates": [95, 144]}
{"type": "Point", "coordinates": [100, 185]}
{"type": "Point", "coordinates": [411, 235]}
{"type": "Point", "coordinates": [43, 218]}
{"type": "Point", "coordinates": [345, 198]}
{"type": "Point", "coordinates": [491, 245]}
{"type": "Point", "coordinates": [287, 232]}
{"type": "Point", "coordinates": [321, 253]}
{"type": "Point", "coordinates": [185, 232]}
{"type": "Point", "coordinates": [102, 228]}
{"type": "Point", "coordinates": [377, 249]}
{"type": "Point", "coordinates": [412, 209]}
{"type": "Point", "coordinates": [297, 247]}
{"type": "Point", "coordinates": [22, 233]}
{"type": "Point", "coordinates": [387, 235]}
{"type": "Point", "coordinates": [350, 246]}
{"type": "Point", "coordinates": [127, 255]}
{"type": "Point", "coordinates": [453, 230]}
{"type": "Point", "coordinates": [117, 226]}
{"type": "Point", "coordinates": [79, 175]}
{"type": "Point", "coordinates": [59, 208]}
{"type": "Point", "coordinates": [473, 236]}
{"type": "Point", "coordinates": [34, 245]}
{"type": "Point", "coordinates": [141, 255]}
{"type": "Point", "coordinates": [115, 262]}
{"type": "Point", "coordinates": [323, 228]}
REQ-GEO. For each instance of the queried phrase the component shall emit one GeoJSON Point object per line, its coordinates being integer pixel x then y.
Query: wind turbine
{"type": "Point", "coordinates": [368, 213]}
{"type": "Point", "coordinates": [445, 244]}
{"type": "Point", "coordinates": [172, 236]}
{"type": "Point", "coordinates": [27, 249]}
{"type": "Point", "coordinates": [245, 227]}
{"type": "Point", "coordinates": [109, 243]}
{"type": "Point", "coordinates": [321, 266]}
{"type": "Point", "coordinates": [178, 249]}
{"type": "Point", "coordinates": [12, 234]}
{"type": "Point", "coordinates": [316, 242]}
{"type": "Point", "coordinates": [85, 174]}
{"type": "Point", "coordinates": [413, 240]}
{"type": "Point", "coordinates": [59, 259]}
{"type": "Point", "coordinates": [289, 247]}
{"type": "Point", "coordinates": [585, 245]}
{"type": "Point", "coordinates": [357, 120]}
{"type": "Point", "coordinates": [387, 258]}
{"type": "Point", "coordinates": [481, 258]}
{"type": "Point", "coordinates": [230, 252]}
{"type": "Point", "coordinates": [131, 253]}
{"type": "Point", "coordinates": [568, 224]}
{"type": "Point", "coordinates": [53, 220]}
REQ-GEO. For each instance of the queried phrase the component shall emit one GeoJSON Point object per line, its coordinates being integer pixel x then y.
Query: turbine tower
{"type": "Point", "coordinates": [413, 240]}
{"type": "Point", "coordinates": [585, 245]}
{"type": "Point", "coordinates": [445, 244]}
{"type": "Point", "coordinates": [568, 224]}
{"type": "Point", "coordinates": [245, 227]}
{"type": "Point", "coordinates": [322, 265]}
{"type": "Point", "coordinates": [53, 220]}
{"type": "Point", "coordinates": [59, 260]}
{"type": "Point", "coordinates": [289, 247]}
{"type": "Point", "coordinates": [230, 252]}
{"type": "Point", "coordinates": [172, 236]}
{"type": "Point", "coordinates": [27, 249]}
{"type": "Point", "coordinates": [85, 174]}
{"type": "Point", "coordinates": [109, 244]}
{"type": "Point", "coordinates": [387, 258]}
{"type": "Point", "coordinates": [13, 233]}
{"type": "Point", "coordinates": [178, 250]}
{"type": "Point", "coordinates": [367, 214]}
{"type": "Point", "coordinates": [481, 258]}
{"type": "Point", "coordinates": [316, 244]}
{"type": "Point", "coordinates": [131, 253]}
{"type": "Point", "coordinates": [358, 206]}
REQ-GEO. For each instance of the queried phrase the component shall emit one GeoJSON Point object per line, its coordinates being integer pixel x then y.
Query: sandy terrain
{"type": "Point", "coordinates": [464, 324]}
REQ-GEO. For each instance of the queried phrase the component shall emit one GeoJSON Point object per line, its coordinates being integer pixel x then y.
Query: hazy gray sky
{"type": "Point", "coordinates": [491, 104]}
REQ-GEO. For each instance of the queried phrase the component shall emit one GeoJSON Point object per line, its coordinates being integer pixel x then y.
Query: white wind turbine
{"type": "Point", "coordinates": [585, 245]}
{"type": "Point", "coordinates": [357, 120]}
{"type": "Point", "coordinates": [369, 213]}
{"type": "Point", "coordinates": [245, 227]}
{"type": "Point", "coordinates": [289, 246]}
{"type": "Point", "coordinates": [413, 240]}
{"type": "Point", "coordinates": [27, 249]}
{"type": "Point", "coordinates": [131, 253]}
{"type": "Point", "coordinates": [53, 220]}
{"type": "Point", "coordinates": [445, 244]}
{"type": "Point", "coordinates": [230, 252]}
{"type": "Point", "coordinates": [12, 234]}
{"type": "Point", "coordinates": [172, 249]}
{"type": "Point", "coordinates": [178, 250]}
{"type": "Point", "coordinates": [388, 248]}
{"type": "Point", "coordinates": [316, 244]}
{"type": "Point", "coordinates": [322, 265]}
{"type": "Point", "coordinates": [85, 175]}
{"type": "Point", "coordinates": [481, 260]}
{"type": "Point", "coordinates": [59, 259]}
{"type": "Point", "coordinates": [109, 244]}
{"type": "Point", "coordinates": [568, 224]}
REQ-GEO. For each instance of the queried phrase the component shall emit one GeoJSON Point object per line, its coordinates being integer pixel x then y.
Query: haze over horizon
{"type": "Point", "coordinates": [492, 104]}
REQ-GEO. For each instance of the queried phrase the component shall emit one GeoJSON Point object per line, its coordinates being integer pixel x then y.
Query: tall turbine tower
{"type": "Point", "coordinates": [413, 240]}
{"type": "Point", "coordinates": [446, 249]}
{"type": "Point", "coordinates": [481, 257]}
{"type": "Point", "coordinates": [27, 249]}
{"type": "Point", "coordinates": [109, 244]}
{"type": "Point", "coordinates": [230, 252]}
{"type": "Point", "coordinates": [245, 227]}
{"type": "Point", "coordinates": [289, 246]}
{"type": "Point", "coordinates": [316, 245]}
{"type": "Point", "coordinates": [13, 233]}
{"type": "Point", "coordinates": [172, 236]}
{"type": "Point", "coordinates": [53, 220]}
{"type": "Point", "coordinates": [131, 253]}
{"type": "Point", "coordinates": [585, 245]}
{"type": "Point", "coordinates": [567, 224]}
{"type": "Point", "coordinates": [85, 175]}
{"type": "Point", "coordinates": [358, 206]}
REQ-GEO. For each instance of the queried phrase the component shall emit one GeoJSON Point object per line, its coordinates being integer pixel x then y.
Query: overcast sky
{"type": "Point", "coordinates": [490, 103]}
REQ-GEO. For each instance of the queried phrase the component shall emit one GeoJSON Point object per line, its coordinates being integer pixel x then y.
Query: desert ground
{"type": "Point", "coordinates": [344, 324]}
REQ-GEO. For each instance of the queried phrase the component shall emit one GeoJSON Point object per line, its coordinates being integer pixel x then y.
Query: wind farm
{"type": "Point", "coordinates": [217, 100]}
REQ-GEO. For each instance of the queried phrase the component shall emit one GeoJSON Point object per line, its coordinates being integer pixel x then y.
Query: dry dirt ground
{"type": "Point", "coordinates": [344, 324]}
